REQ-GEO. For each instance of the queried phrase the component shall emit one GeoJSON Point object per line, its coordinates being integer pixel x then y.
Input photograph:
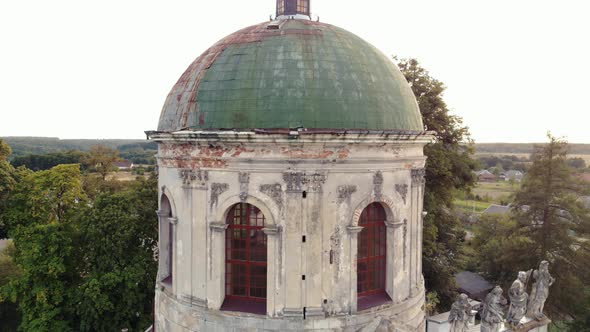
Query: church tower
{"type": "Point", "coordinates": [291, 182]}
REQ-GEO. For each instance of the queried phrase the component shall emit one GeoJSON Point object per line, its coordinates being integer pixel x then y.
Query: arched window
{"type": "Point", "coordinates": [167, 241]}
{"type": "Point", "coordinates": [293, 7]}
{"type": "Point", "coordinates": [372, 247]}
{"type": "Point", "coordinates": [245, 260]}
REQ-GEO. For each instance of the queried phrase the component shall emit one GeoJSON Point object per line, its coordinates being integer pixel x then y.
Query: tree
{"type": "Point", "coordinates": [577, 163]}
{"type": "Point", "coordinates": [118, 234]}
{"type": "Point", "coordinates": [498, 169]}
{"type": "Point", "coordinates": [44, 197]}
{"type": "Point", "coordinates": [45, 254]}
{"type": "Point", "coordinates": [87, 264]}
{"type": "Point", "coordinates": [549, 222]}
{"type": "Point", "coordinates": [37, 213]}
{"type": "Point", "coordinates": [101, 159]}
{"type": "Point", "coordinates": [39, 162]}
{"type": "Point", "coordinates": [549, 211]}
{"type": "Point", "coordinates": [7, 183]}
{"type": "Point", "coordinates": [449, 167]}
{"type": "Point", "coordinates": [500, 249]}
{"type": "Point", "coordinates": [9, 271]}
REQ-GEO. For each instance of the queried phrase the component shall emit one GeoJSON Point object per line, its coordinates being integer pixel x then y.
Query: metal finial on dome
{"type": "Point", "coordinates": [293, 9]}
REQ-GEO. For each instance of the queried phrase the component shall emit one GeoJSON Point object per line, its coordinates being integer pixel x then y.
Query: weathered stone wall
{"type": "Point", "coordinates": [204, 175]}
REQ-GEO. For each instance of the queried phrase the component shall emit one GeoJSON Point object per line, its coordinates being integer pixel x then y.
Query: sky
{"type": "Point", "coordinates": [514, 69]}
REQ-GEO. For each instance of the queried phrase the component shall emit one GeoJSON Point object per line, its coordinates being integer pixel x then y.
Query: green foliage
{"type": "Point", "coordinates": [556, 221]}
{"type": "Point", "coordinates": [500, 249]}
{"type": "Point", "coordinates": [137, 151]}
{"type": "Point", "coordinates": [524, 148]}
{"type": "Point", "coordinates": [39, 162]}
{"type": "Point", "coordinates": [7, 183]}
{"type": "Point", "coordinates": [578, 163]}
{"type": "Point", "coordinates": [117, 236]}
{"type": "Point", "coordinates": [9, 317]}
{"type": "Point", "coordinates": [5, 150]}
{"type": "Point", "coordinates": [44, 197]}
{"type": "Point", "coordinates": [432, 303]}
{"type": "Point", "coordinates": [549, 223]}
{"type": "Point", "coordinates": [44, 254]}
{"type": "Point", "coordinates": [86, 261]}
{"type": "Point", "coordinates": [101, 159]}
{"type": "Point", "coordinates": [506, 162]}
{"type": "Point", "coordinates": [449, 167]}
{"type": "Point", "coordinates": [140, 156]}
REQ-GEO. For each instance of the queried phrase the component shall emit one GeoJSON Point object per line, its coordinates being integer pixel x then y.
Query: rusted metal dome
{"type": "Point", "coordinates": [291, 74]}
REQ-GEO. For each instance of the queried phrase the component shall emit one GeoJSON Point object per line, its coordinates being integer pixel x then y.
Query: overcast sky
{"type": "Point", "coordinates": [514, 69]}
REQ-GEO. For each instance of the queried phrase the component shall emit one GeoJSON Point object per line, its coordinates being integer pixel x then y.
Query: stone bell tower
{"type": "Point", "coordinates": [291, 177]}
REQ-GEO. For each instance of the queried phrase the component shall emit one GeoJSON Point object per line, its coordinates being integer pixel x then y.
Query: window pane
{"type": "Point", "coordinates": [372, 249]}
{"type": "Point", "coordinates": [246, 252]}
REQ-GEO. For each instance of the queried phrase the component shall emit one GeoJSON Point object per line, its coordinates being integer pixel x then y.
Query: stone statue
{"type": "Point", "coordinates": [460, 314]}
{"type": "Point", "coordinates": [518, 299]}
{"type": "Point", "coordinates": [492, 314]}
{"type": "Point", "coordinates": [540, 291]}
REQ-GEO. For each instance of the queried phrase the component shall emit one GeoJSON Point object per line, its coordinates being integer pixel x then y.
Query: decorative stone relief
{"type": "Point", "coordinates": [274, 191]}
{"type": "Point", "coordinates": [418, 177]}
{"type": "Point", "coordinates": [244, 179]}
{"type": "Point", "coordinates": [378, 184]}
{"type": "Point", "coordinates": [336, 248]}
{"type": "Point", "coordinates": [315, 182]}
{"type": "Point", "coordinates": [216, 190]}
{"type": "Point", "coordinates": [294, 181]}
{"type": "Point", "coordinates": [345, 193]}
{"type": "Point", "coordinates": [378, 178]}
{"type": "Point", "coordinates": [402, 190]}
{"type": "Point", "coordinates": [188, 176]}
{"type": "Point", "coordinates": [299, 181]}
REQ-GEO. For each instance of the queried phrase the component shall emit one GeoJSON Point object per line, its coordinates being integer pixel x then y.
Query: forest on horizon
{"type": "Point", "coordinates": [22, 146]}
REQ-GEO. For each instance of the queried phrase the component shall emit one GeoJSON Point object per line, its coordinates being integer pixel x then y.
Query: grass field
{"type": "Point", "coordinates": [490, 193]}
{"type": "Point", "coordinates": [122, 176]}
{"type": "Point", "coordinates": [496, 191]}
{"type": "Point", "coordinates": [471, 206]}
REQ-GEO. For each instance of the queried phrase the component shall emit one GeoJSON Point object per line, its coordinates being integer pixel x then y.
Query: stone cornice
{"type": "Point", "coordinates": [354, 229]}
{"type": "Point", "coordinates": [272, 230]}
{"type": "Point", "coordinates": [218, 227]}
{"type": "Point", "coordinates": [311, 137]}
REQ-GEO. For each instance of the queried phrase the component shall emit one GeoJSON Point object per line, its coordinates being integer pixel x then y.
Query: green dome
{"type": "Point", "coordinates": [291, 74]}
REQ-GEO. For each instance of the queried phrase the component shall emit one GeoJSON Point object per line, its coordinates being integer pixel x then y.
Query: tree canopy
{"type": "Point", "coordinates": [101, 159]}
{"type": "Point", "coordinates": [549, 222]}
{"type": "Point", "coordinates": [86, 262]}
{"type": "Point", "coordinates": [7, 182]}
{"type": "Point", "coordinates": [449, 167]}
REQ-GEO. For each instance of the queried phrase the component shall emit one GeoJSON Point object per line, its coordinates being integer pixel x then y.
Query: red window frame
{"type": "Point", "coordinates": [245, 254]}
{"type": "Point", "coordinates": [372, 251]}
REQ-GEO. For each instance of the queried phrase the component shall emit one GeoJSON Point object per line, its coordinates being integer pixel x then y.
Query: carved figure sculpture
{"type": "Point", "coordinates": [492, 314]}
{"type": "Point", "coordinates": [540, 291]}
{"type": "Point", "coordinates": [460, 314]}
{"type": "Point", "coordinates": [518, 299]}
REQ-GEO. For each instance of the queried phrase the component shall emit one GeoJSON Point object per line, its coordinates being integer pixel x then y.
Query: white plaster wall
{"type": "Point", "coordinates": [204, 177]}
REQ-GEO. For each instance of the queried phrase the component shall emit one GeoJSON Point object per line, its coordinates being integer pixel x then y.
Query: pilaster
{"type": "Point", "coordinates": [273, 241]}
{"type": "Point", "coordinates": [353, 232]}
{"type": "Point", "coordinates": [395, 269]}
{"type": "Point", "coordinates": [216, 277]}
